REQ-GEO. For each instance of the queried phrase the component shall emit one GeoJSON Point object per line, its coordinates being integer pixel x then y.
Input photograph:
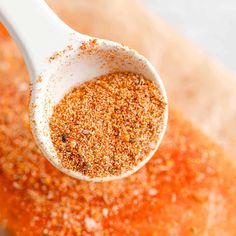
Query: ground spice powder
{"type": "Point", "coordinates": [108, 125]}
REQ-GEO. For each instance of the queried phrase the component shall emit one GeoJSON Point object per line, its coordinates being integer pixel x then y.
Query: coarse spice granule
{"type": "Point", "coordinates": [108, 125]}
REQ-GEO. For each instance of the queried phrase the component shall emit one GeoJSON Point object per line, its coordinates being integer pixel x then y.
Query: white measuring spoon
{"type": "Point", "coordinates": [59, 58]}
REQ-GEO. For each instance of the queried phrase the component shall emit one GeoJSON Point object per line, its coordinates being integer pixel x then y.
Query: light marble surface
{"type": "Point", "coordinates": [209, 24]}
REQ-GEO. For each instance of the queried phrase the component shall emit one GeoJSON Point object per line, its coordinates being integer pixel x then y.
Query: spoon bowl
{"type": "Point", "coordinates": [82, 61]}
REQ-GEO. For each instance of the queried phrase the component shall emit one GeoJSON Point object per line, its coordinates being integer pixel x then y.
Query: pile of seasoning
{"type": "Point", "coordinates": [108, 125]}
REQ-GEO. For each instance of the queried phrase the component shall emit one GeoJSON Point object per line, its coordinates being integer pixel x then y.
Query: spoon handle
{"type": "Point", "coordinates": [36, 29]}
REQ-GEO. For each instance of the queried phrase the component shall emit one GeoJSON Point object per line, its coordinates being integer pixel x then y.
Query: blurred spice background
{"type": "Point", "coordinates": [209, 24]}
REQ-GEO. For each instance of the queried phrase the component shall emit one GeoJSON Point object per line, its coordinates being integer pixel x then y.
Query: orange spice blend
{"type": "Point", "coordinates": [108, 125]}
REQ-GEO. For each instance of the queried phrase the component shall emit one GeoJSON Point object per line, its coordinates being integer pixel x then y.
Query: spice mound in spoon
{"type": "Point", "coordinates": [108, 125]}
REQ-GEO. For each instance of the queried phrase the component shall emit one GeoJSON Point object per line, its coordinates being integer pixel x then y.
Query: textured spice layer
{"type": "Point", "coordinates": [108, 125]}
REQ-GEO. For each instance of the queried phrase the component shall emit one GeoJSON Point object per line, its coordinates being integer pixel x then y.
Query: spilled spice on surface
{"type": "Point", "coordinates": [108, 125]}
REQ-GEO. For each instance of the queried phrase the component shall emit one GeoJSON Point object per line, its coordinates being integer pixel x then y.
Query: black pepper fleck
{"type": "Point", "coordinates": [64, 138]}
